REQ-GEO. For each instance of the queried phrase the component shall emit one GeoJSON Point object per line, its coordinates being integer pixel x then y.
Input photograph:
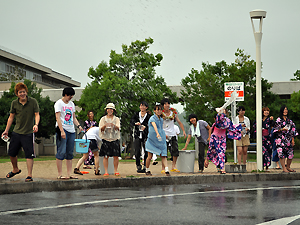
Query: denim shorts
{"type": "Point", "coordinates": [65, 147]}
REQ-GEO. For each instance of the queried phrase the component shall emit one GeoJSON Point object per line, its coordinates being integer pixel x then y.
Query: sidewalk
{"type": "Point", "coordinates": [45, 177]}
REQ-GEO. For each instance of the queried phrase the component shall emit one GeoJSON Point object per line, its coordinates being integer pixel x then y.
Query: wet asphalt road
{"type": "Point", "coordinates": [223, 203]}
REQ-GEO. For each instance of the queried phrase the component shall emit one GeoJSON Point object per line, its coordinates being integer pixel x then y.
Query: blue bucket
{"type": "Point", "coordinates": [82, 145]}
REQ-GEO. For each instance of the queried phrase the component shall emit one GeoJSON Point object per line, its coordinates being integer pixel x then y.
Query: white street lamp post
{"type": "Point", "coordinates": [258, 14]}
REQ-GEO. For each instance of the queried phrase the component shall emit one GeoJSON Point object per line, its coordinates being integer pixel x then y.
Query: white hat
{"type": "Point", "coordinates": [110, 106]}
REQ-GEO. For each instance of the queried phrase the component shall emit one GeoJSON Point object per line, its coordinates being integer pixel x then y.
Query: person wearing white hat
{"type": "Point", "coordinates": [109, 132]}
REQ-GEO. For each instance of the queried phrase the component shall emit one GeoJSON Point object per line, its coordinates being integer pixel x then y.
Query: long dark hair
{"type": "Point", "coordinates": [281, 111]}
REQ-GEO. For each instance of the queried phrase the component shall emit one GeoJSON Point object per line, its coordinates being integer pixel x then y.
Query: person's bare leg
{"type": "Point", "coordinates": [148, 160]}
{"type": "Point", "coordinates": [116, 164]}
{"type": "Point", "coordinates": [164, 161]}
{"type": "Point", "coordinates": [81, 160]}
{"type": "Point", "coordinates": [59, 167]}
{"type": "Point", "coordinates": [278, 166]}
{"type": "Point", "coordinates": [174, 162]}
{"type": "Point", "coordinates": [288, 164]}
{"type": "Point", "coordinates": [96, 158]}
{"type": "Point", "coordinates": [240, 150]}
{"type": "Point", "coordinates": [14, 163]}
{"type": "Point", "coordinates": [69, 167]}
{"type": "Point", "coordinates": [282, 162]}
{"type": "Point", "coordinates": [29, 163]}
{"type": "Point", "coordinates": [105, 163]}
{"type": "Point", "coordinates": [245, 148]}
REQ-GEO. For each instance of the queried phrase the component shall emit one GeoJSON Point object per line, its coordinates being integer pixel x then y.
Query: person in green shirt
{"type": "Point", "coordinates": [26, 112]}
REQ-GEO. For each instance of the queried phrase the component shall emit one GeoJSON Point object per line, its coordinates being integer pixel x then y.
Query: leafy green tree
{"type": "Point", "coordinates": [47, 122]}
{"type": "Point", "coordinates": [204, 90]}
{"type": "Point", "coordinates": [15, 74]}
{"type": "Point", "coordinates": [126, 80]}
{"type": "Point", "coordinates": [296, 75]}
{"type": "Point", "coordinates": [293, 105]}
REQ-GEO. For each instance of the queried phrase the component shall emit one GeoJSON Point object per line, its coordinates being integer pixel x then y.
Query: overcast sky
{"type": "Point", "coordinates": [69, 36]}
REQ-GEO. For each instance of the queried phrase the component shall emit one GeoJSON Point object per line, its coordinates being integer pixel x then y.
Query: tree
{"type": "Point", "coordinates": [126, 80]}
{"type": "Point", "coordinates": [47, 122]}
{"type": "Point", "coordinates": [15, 73]}
{"type": "Point", "coordinates": [204, 90]}
{"type": "Point", "coordinates": [293, 105]}
{"type": "Point", "coordinates": [296, 75]}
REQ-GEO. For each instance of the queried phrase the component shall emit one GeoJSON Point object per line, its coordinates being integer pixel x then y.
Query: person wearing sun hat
{"type": "Point", "coordinates": [109, 132]}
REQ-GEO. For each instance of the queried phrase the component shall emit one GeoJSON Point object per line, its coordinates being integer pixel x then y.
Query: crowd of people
{"type": "Point", "coordinates": [154, 135]}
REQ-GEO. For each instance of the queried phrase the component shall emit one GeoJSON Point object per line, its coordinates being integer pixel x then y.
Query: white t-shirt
{"type": "Point", "coordinates": [177, 131]}
{"type": "Point", "coordinates": [169, 128]}
{"type": "Point", "coordinates": [92, 134]}
{"type": "Point", "coordinates": [66, 114]}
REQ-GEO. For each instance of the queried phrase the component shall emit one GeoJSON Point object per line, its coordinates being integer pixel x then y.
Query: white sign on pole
{"type": "Point", "coordinates": [234, 86]}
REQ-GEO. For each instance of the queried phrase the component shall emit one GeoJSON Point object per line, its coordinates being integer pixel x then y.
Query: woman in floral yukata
{"type": "Point", "coordinates": [285, 131]}
{"type": "Point", "coordinates": [87, 125]}
{"type": "Point", "coordinates": [217, 144]}
{"type": "Point", "coordinates": [267, 124]}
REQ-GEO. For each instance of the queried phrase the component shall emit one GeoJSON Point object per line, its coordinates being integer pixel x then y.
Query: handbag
{"type": "Point", "coordinates": [265, 132]}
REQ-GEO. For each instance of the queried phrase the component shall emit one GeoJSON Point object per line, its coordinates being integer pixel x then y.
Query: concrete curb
{"type": "Point", "coordinates": [46, 185]}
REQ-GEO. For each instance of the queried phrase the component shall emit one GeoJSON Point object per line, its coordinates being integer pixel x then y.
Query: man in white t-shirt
{"type": "Point", "coordinates": [65, 131]}
{"type": "Point", "coordinates": [170, 116]}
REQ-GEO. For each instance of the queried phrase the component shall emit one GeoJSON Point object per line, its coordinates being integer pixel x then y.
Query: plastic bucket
{"type": "Point", "coordinates": [110, 167]}
{"type": "Point", "coordinates": [186, 161]}
{"type": "Point", "coordinates": [82, 145]}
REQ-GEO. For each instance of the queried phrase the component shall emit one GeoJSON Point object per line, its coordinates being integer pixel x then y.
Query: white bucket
{"type": "Point", "coordinates": [186, 161]}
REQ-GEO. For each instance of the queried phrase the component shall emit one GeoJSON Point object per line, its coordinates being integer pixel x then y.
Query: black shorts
{"type": "Point", "coordinates": [172, 146]}
{"type": "Point", "coordinates": [93, 145]}
{"type": "Point", "coordinates": [21, 140]}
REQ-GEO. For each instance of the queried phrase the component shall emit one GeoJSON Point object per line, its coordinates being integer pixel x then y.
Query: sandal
{"type": "Point", "coordinates": [206, 163]}
{"type": "Point", "coordinates": [11, 174]}
{"type": "Point", "coordinates": [28, 179]}
{"type": "Point", "coordinates": [117, 174]}
{"type": "Point", "coordinates": [175, 170]}
{"type": "Point", "coordinates": [97, 172]}
{"type": "Point", "coordinates": [291, 170]}
{"type": "Point", "coordinates": [77, 171]}
{"type": "Point", "coordinates": [87, 167]}
{"type": "Point", "coordinates": [106, 175]}
{"type": "Point", "coordinates": [73, 177]}
{"type": "Point", "coordinates": [62, 178]}
{"type": "Point", "coordinates": [148, 173]}
{"type": "Point", "coordinates": [223, 172]}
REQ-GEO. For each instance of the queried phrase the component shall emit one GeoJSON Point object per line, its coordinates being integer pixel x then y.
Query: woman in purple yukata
{"type": "Point", "coordinates": [267, 124]}
{"type": "Point", "coordinates": [285, 131]}
{"type": "Point", "coordinates": [217, 144]}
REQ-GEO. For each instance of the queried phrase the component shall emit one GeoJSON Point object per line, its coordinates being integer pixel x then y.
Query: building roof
{"type": "Point", "coordinates": [21, 60]}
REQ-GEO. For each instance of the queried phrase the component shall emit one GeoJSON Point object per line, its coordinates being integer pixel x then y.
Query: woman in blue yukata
{"type": "Point", "coordinates": [285, 131]}
{"type": "Point", "coordinates": [156, 141]}
{"type": "Point", "coordinates": [267, 124]}
{"type": "Point", "coordinates": [217, 144]}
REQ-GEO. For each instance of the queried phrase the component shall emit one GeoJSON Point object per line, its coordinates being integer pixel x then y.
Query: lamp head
{"type": "Point", "coordinates": [258, 13]}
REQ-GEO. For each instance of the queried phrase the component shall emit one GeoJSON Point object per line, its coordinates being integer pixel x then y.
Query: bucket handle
{"type": "Point", "coordinates": [86, 140]}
